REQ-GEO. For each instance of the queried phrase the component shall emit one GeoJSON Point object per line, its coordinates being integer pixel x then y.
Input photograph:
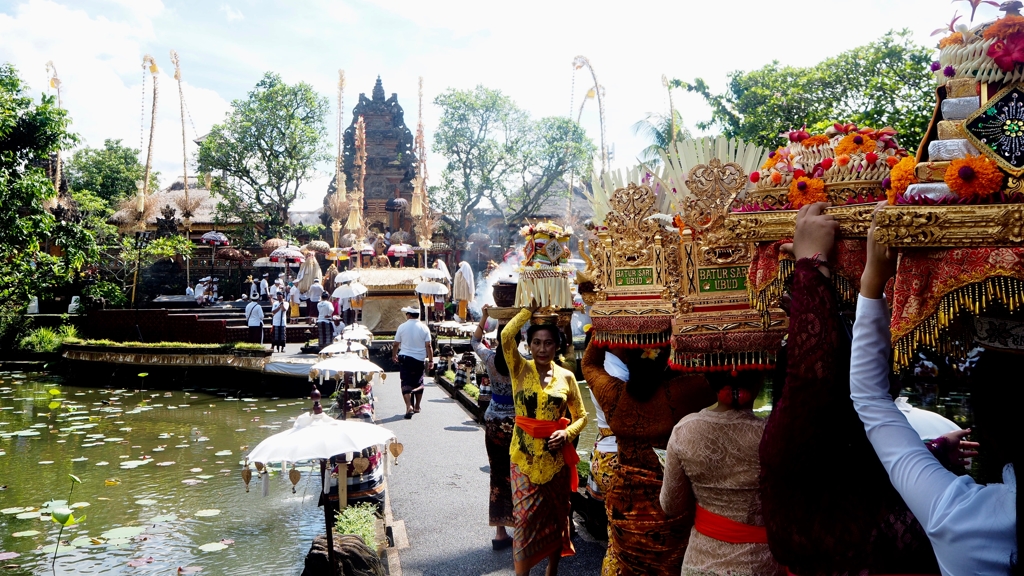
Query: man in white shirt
{"type": "Point", "coordinates": [412, 346]}
{"type": "Point", "coordinates": [254, 320]}
{"type": "Point", "coordinates": [254, 289]}
{"type": "Point", "coordinates": [275, 288]}
{"type": "Point", "coordinates": [264, 288]}
{"type": "Point", "coordinates": [279, 320]}
{"type": "Point", "coordinates": [313, 299]}
{"type": "Point", "coordinates": [189, 291]}
{"type": "Point", "coordinates": [200, 292]}
{"type": "Point", "coordinates": [325, 309]}
{"type": "Point", "coordinates": [337, 326]}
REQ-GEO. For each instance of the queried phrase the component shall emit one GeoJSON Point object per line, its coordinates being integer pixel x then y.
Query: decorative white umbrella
{"type": "Point", "coordinates": [287, 254]}
{"type": "Point", "coordinates": [266, 263]}
{"type": "Point", "coordinates": [347, 276]}
{"type": "Point", "coordinates": [342, 347]}
{"type": "Point", "coordinates": [352, 290]}
{"type": "Point", "coordinates": [338, 365]}
{"type": "Point", "coordinates": [433, 274]}
{"type": "Point", "coordinates": [399, 250]}
{"type": "Point", "coordinates": [318, 436]}
{"type": "Point", "coordinates": [433, 288]}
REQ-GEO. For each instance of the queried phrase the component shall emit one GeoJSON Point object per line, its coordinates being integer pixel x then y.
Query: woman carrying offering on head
{"type": "Point", "coordinates": [712, 461]}
{"type": "Point", "coordinates": [549, 416]}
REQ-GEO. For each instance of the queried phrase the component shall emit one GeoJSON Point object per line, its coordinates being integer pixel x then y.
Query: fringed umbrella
{"type": "Point", "coordinates": [273, 244]}
{"type": "Point", "coordinates": [347, 276]}
{"type": "Point", "coordinates": [287, 254]}
{"type": "Point", "coordinates": [399, 250]}
{"type": "Point", "coordinates": [215, 238]}
{"type": "Point", "coordinates": [319, 246]}
{"type": "Point", "coordinates": [430, 291]}
{"type": "Point", "coordinates": [351, 290]}
{"type": "Point", "coordinates": [396, 204]}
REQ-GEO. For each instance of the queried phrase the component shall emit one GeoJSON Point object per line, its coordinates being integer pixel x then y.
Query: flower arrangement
{"type": "Point", "coordinates": [816, 140]}
{"type": "Point", "coordinates": [1005, 27]}
{"type": "Point", "coordinates": [1008, 49]}
{"type": "Point", "coordinates": [773, 159]}
{"type": "Point", "coordinates": [804, 191]}
{"type": "Point", "coordinates": [954, 39]}
{"type": "Point", "coordinates": [902, 175]}
{"type": "Point", "coordinates": [974, 177]}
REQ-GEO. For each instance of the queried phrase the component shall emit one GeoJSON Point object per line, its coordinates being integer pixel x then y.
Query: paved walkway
{"type": "Point", "coordinates": [440, 491]}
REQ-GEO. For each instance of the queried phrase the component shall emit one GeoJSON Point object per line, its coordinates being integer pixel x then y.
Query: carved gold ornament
{"type": "Point", "coordinates": [959, 226]}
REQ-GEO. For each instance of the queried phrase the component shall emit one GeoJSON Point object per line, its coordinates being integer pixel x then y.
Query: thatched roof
{"type": "Point", "coordinates": [207, 202]}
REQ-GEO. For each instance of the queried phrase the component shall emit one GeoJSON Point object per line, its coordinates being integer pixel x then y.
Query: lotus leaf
{"type": "Point", "coordinates": [25, 533]}
{"type": "Point", "coordinates": [123, 532]}
{"type": "Point", "coordinates": [207, 513]}
{"type": "Point", "coordinates": [212, 547]}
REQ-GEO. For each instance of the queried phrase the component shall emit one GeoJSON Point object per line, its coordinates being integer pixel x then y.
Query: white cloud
{"type": "Point", "coordinates": [231, 13]}
{"type": "Point", "coordinates": [99, 61]}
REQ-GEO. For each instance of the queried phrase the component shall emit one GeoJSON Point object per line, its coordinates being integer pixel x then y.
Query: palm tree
{"type": "Point", "coordinates": [657, 129]}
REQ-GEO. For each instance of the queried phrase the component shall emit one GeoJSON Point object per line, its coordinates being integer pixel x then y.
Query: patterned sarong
{"type": "Point", "coordinates": [411, 374]}
{"type": "Point", "coordinates": [641, 539]}
{"type": "Point", "coordinates": [497, 439]}
{"type": "Point", "coordinates": [541, 514]}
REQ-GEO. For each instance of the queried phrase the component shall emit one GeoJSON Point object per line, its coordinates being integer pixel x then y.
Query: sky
{"type": "Point", "coordinates": [523, 48]}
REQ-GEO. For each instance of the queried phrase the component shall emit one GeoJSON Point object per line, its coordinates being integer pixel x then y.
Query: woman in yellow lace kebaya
{"type": "Point", "coordinates": [549, 416]}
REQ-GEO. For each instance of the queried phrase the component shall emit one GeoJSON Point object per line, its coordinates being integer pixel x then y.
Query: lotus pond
{"type": "Point", "coordinates": [161, 484]}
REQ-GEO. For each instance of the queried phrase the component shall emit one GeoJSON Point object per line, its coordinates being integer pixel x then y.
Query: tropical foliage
{"type": "Point", "coordinates": [111, 172]}
{"type": "Point", "coordinates": [658, 129]}
{"type": "Point", "coordinates": [884, 83]}
{"type": "Point", "coordinates": [267, 147]}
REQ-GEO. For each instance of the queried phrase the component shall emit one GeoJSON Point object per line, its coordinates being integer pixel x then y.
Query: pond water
{"type": "Point", "coordinates": [161, 480]}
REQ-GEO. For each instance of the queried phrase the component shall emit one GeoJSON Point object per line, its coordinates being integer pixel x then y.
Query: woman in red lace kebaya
{"type": "Point", "coordinates": [828, 504]}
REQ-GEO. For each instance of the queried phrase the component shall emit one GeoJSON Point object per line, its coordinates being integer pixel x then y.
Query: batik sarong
{"type": "Point", "coordinates": [541, 513]}
{"type": "Point", "coordinates": [411, 374]}
{"type": "Point", "coordinates": [497, 439]}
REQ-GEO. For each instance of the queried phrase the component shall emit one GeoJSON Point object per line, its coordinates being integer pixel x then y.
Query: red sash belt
{"type": "Point", "coordinates": [542, 429]}
{"type": "Point", "coordinates": [721, 528]}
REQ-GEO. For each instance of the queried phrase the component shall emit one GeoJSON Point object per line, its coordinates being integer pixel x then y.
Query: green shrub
{"type": "Point", "coordinates": [361, 520]}
{"type": "Point", "coordinates": [67, 332]}
{"type": "Point", "coordinates": [472, 391]}
{"type": "Point", "coordinates": [112, 344]}
{"type": "Point", "coordinates": [109, 291]}
{"type": "Point", "coordinates": [41, 340]}
{"type": "Point", "coordinates": [583, 468]}
{"type": "Point", "coordinates": [450, 376]}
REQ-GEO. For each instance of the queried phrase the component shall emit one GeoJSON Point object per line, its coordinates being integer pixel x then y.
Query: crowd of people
{"type": "Point", "coordinates": [834, 481]}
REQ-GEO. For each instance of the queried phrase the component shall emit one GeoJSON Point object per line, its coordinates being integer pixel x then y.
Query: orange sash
{"type": "Point", "coordinates": [543, 429]}
{"type": "Point", "coordinates": [721, 528]}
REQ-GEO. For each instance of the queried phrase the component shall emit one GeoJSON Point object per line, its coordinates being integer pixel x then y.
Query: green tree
{"type": "Point", "coordinates": [657, 129]}
{"type": "Point", "coordinates": [121, 260]}
{"type": "Point", "coordinates": [497, 155]}
{"type": "Point", "coordinates": [884, 83]}
{"type": "Point", "coordinates": [95, 212]}
{"type": "Point", "coordinates": [30, 132]}
{"type": "Point", "coordinates": [110, 172]}
{"type": "Point", "coordinates": [269, 144]}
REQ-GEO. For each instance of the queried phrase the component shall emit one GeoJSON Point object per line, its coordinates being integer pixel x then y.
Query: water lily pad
{"type": "Point", "coordinates": [204, 476]}
{"type": "Point", "coordinates": [112, 439]}
{"type": "Point", "coordinates": [14, 510]}
{"type": "Point", "coordinates": [207, 513]}
{"type": "Point", "coordinates": [137, 562]}
{"type": "Point", "coordinates": [54, 392]}
{"type": "Point", "coordinates": [45, 462]}
{"type": "Point", "coordinates": [191, 481]}
{"type": "Point", "coordinates": [79, 459]}
{"type": "Point", "coordinates": [146, 502]}
{"type": "Point", "coordinates": [8, 556]}
{"type": "Point", "coordinates": [212, 547]}
{"type": "Point", "coordinates": [164, 518]}
{"type": "Point", "coordinates": [170, 463]}
{"type": "Point", "coordinates": [78, 505]}
{"type": "Point", "coordinates": [84, 541]}
{"type": "Point", "coordinates": [194, 470]}
{"type": "Point", "coordinates": [53, 547]}
{"type": "Point", "coordinates": [123, 532]}
{"type": "Point", "coordinates": [223, 453]}
{"type": "Point", "coordinates": [103, 463]}
{"type": "Point", "coordinates": [27, 516]}
{"type": "Point", "coordinates": [25, 534]}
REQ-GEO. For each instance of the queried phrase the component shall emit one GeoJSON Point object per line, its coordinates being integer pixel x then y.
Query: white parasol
{"type": "Point", "coordinates": [342, 347]}
{"type": "Point", "coordinates": [339, 365]}
{"type": "Point", "coordinates": [399, 250]}
{"type": "Point", "coordinates": [347, 276]}
{"type": "Point", "coordinates": [352, 290]}
{"type": "Point", "coordinates": [287, 254]}
{"type": "Point", "coordinates": [433, 288]}
{"type": "Point", "coordinates": [433, 274]}
{"type": "Point", "coordinates": [266, 263]}
{"type": "Point", "coordinates": [319, 436]}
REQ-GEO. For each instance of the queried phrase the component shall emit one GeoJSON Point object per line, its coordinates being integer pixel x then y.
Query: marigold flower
{"type": "Point", "coordinates": [843, 159]}
{"type": "Point", "coordinates": [816, 140]}
{"type": "Point", "coordinates": [954, 39]}
{"type": "Point", "coordinates": [974, 177]}
{"type": "Point", "coordinates": [853, 143]}
{"type": "Point", "coordinates": [892, 161]}
{"type": "Point", "coordinates": [1004, 27]}
{"type": "Point", "coordinates": [773, 158]}
{"type": "Point", "coordinates": [902, 175]}
{"type": "Point", "coordinates": [803, 191]}
{"type": "Point", "coordinates": [776, 178]}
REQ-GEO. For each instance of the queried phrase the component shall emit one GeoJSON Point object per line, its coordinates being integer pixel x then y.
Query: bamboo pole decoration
{"type": "Point", "coordinates": [148, 61]}
{"type": "Point", "coordinates": [339, 179]}
{"type": "Point", "coordinates": [181, 100]}
{"type": "Point", "coordinates": [55, 84]}
{"type": "Point", "coordinates": [355, 215]}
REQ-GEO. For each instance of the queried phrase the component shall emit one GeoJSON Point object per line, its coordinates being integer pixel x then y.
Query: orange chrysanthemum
{"type": "Point", "coordinates": [902, 175]}
{"type": "Point", "coordinates": [974, 177]}
{"type": "Point", "coordinates": [891, 161]}
{"type": "Point", "coordinates": [772, 160]}
{"type": "Point", "coordinates": [843, 159]}
{"type": "Point", "coordinates": [954, 39]}
{"type": "Point", "coordinates": [816, 140]}
{"type": "Point", "coordinates": [853, 143]}
{"type": "Point", "coordinates": [1002, 28]}
{"type": "Point", "coordinates": [776, 178]}
{"type": "Point", "coordinates": [804, 190]}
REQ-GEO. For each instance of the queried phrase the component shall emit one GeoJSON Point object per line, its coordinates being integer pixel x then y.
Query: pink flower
{"type": "Point", "coordinates": [1008, 53]}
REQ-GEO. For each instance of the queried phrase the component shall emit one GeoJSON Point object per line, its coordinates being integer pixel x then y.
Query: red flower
{"type": "Point", "coordinates": [798, 173]}
{"type": "Point", "coordinates": [1008, 53]}
{"type": "Point", "coordinates": [871, 157]}
{"type": "Point", "coordinates": [826, 163]}
{"type": "Point", "coordinates": [755, 176]}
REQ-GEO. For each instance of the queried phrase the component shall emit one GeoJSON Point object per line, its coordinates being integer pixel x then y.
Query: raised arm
{"type": "Point", "coordinates": [513, 358]}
